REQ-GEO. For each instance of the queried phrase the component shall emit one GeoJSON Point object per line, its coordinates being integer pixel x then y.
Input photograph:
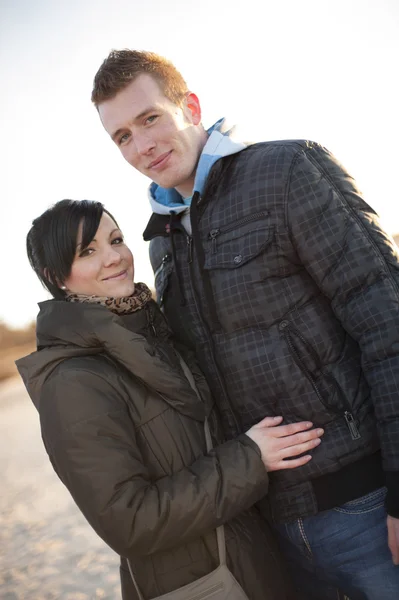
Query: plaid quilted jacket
{"type": "Point", "coordinates": [288, 291]}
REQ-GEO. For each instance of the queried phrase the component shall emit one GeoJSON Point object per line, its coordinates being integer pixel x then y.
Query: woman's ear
{"type": "Point", "coordinates": [58, 283]}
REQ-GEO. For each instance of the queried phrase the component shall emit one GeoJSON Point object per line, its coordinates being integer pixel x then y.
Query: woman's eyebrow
{"type": "Point", "coordinates": [94, 239]}
{"type": "Point", "coordinates": [80, 243]}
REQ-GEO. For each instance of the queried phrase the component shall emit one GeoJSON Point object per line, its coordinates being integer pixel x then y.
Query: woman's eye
{"type": "Point", "coordinates": [118, 240]}
{"type": "Point", "coordinates": [86, 252]}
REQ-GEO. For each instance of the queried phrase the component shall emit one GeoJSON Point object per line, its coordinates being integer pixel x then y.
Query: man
{"type": "Point", "coordinates": [269, 263]}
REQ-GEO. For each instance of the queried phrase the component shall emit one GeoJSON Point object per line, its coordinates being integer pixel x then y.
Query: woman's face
{"type": "Point", "coordinates": [105, 267]}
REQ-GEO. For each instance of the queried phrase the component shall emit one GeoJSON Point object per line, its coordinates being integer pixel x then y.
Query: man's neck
{"type": "Point", "coordinates": [186, 189]}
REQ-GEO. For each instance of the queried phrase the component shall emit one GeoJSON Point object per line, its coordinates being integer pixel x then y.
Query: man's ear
{"type": "Point", "coordinates": [192, 108]}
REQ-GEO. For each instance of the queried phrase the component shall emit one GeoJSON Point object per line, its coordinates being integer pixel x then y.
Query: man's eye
{"type": "Point", "coordinates": [151, 119]}
{"type": "Point", "coordinates": [123, 138]}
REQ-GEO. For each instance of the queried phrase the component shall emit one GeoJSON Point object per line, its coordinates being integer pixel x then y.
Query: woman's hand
{"type": "Point", "coordinates": [278, 442]}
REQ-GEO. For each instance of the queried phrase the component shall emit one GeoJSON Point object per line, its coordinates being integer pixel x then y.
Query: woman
{"type": "Point", "coordinates": [122, 420]}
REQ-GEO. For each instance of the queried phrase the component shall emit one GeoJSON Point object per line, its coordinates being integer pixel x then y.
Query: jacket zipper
{"type": "Point", "coordinates": [190, 250]}
{"type": "Point", "coordinates": [351, 423]}
{"type": "Point", "coordinates": [151, 325]}
{"type": "Point", "coordinates": [214, 233]}
{"type": "Point", "coordinates": [348, 416]}
{"type": "Point", "coordinates": [165, 259]}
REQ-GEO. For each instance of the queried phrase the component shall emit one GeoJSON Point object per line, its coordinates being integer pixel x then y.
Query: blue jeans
{"type": "Point", "coordinates": [342, 552]}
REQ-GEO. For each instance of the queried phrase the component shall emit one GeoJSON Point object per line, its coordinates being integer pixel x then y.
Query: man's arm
{"type": "Point", "coordinates": [356, 265]}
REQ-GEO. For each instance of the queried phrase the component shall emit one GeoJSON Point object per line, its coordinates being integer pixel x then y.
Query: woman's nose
{"type": "Point", "coordinates": [112, 257]}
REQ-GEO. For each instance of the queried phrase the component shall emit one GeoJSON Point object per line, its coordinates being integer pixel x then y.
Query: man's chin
{"type": "Point", "coordinates": [165, 186]}
{"type": "Point", "coordinates": [165, 182]}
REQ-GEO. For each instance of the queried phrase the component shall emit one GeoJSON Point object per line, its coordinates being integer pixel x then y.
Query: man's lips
{"type": "Point", "coordinates": [120, 275]}
{"type": "Point", "coordinates": [160, 161]}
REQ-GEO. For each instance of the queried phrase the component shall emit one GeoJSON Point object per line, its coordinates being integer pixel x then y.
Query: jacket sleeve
{"type": "Point", "coordinates": [356, 265]}
{"type": "Point", "coordinates": [95, 454]}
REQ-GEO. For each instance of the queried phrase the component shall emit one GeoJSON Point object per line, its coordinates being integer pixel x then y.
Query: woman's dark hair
{"type": "Point", "coordinates": [52, 239]}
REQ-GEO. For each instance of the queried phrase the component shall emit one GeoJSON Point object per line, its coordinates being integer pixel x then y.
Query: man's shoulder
{"type": "Point", "coordinates": [265, 156]}
{"type": "Point", "coordinates": [283, 154]}
{"type": "Point", "coordinates": [289, 148]}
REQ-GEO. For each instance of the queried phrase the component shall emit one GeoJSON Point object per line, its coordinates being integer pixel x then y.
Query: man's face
{"type": "Point", "coordinates": [158, 138]}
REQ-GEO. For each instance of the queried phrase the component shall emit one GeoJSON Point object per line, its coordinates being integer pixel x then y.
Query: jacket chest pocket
{"type": "Point", "coordinates": [233, 245]}
{"type": "Point", "coordinates": [240, 257]}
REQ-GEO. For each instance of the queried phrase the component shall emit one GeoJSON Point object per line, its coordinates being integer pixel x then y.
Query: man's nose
{"type": "Point", "coordinates": [144, 144]}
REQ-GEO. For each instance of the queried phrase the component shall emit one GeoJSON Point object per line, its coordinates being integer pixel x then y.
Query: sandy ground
{"type": "Point", "coordinates": [48, 550]}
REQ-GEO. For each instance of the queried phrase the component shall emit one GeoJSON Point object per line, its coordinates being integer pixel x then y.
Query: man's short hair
{"type": "Point", "coordinates": [121, 67]}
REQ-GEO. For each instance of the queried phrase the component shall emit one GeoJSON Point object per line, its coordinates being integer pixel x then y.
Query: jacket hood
{"type": "Point", "coordinates": [67, 330]}
{"type": "Point", "coordinates": [56, 342]}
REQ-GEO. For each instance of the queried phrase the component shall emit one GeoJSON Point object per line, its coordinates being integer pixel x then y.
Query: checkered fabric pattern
{"type": "Point", "coordinates": [298, 266]}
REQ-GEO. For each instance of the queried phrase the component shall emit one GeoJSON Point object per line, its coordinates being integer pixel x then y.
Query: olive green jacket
{"type": "Point", "coordinates": [124, 432]}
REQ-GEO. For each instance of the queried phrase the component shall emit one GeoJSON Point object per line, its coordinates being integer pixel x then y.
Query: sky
{"type": "Point", "coordinates": [316, 69]}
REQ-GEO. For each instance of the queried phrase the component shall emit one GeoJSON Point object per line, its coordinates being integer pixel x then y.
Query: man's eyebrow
{"type": "Point", "coordinates": [143, 113]}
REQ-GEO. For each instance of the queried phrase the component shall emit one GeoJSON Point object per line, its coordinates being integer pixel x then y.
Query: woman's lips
{"type": "Point", "coordinates": [120, 275]}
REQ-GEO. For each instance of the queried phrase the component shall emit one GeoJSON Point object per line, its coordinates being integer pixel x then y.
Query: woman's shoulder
{"type": "Point", "coordinates": [81, 389]}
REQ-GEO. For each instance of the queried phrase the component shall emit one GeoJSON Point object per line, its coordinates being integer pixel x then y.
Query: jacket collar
{"type": "Point", "coordinates": [156, 226]}
{"type": "Point", "coordinates": [66, 330]}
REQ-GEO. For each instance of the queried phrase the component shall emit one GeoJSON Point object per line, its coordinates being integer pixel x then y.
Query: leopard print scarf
{"type": "Point", "coordinates": [119, 306]}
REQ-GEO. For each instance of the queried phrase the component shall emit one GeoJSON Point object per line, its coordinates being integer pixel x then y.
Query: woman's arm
{"type": "Point", "coordinates": [90, 439]}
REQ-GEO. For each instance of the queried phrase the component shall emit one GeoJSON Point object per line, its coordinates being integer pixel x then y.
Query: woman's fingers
{"type": "Point", "coordinates": [294, 463]}
{"type": "Point", "coordinates": [299, 448]}
{"type": "Point", "coordinates": [291, 429]}
{"type": "Point", "coordinates": [279, 442]}
{"type": "Point", "coordinates": [300, 438]}
{"type": "Point", "coordinates": [282, 430]}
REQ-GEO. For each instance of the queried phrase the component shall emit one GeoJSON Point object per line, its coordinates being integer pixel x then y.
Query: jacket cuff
{"type": "Point", "coordinates": [247, 441]}
{"type": "Point", "coordinates": [392, 498]}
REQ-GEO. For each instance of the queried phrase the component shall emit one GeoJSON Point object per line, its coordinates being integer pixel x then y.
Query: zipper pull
{"type": "Point", "coordinates": [351, 423]}
{"type": "Point", "coordinates": [212, 236]}
{"type": "Point", "coordinates": [189, 249]}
